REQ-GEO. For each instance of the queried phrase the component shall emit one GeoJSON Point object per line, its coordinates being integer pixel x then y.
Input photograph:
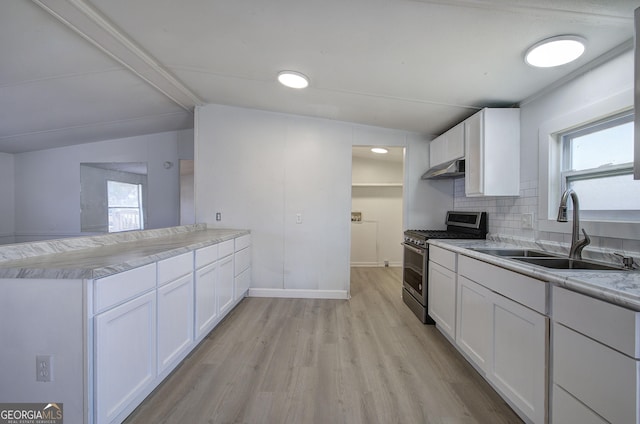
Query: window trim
{"type": "Point", "coordinates": [549, 161]}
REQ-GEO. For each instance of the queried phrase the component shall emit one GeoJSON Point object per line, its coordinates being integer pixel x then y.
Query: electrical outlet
{"type": "Point", "coordinates": [44, 368]}
{"type": "Point", "coordinates": [298, 218]}
{"type": "Point", "coordinates": [218, 216]}
{"type": "Point", "coordinates": [526, 221]}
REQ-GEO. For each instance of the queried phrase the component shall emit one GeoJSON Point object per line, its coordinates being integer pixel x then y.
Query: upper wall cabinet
{"type": "Point", "coordinates": [447, 147]}
{"type": "Point", "coordinates": [492, 149]}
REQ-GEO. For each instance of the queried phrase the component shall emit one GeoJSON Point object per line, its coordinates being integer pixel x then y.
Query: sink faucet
{"type": "Point", "coordinates": [576, 244]}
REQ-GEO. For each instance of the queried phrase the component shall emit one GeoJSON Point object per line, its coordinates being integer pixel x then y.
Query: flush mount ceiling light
{"type": "Point", "coordinates": [379, 150]}
{"type": "Point", "coordinates": [555, 51]}
{"type": "Point", "coordinates": [293, 79]}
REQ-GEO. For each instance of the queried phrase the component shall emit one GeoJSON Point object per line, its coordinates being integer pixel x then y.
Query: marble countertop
{"type": "Point", "coordinates": [619, 287]}
{"type": "Point", "coordinates": [100, 256]}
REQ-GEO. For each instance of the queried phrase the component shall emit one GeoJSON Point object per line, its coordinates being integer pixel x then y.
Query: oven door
{"type": "Point", "coordinates": [414, 271]}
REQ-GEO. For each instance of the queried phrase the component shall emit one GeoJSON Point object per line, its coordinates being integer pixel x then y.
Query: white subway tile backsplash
{"type": "Point", "coordinates": [505, 217]}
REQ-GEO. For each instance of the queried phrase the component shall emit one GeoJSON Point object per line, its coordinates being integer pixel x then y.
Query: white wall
{"type": "Point", "coordinates": [7, 198]}
{"type": "Point", "coordinates": [47, 183]}
{"type": "Point", "coordinates": [260, 169]}
{"type": "Point", "coordinates": [613, 77]}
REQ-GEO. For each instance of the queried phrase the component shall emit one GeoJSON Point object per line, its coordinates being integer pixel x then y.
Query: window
{"type": "Point", "coordinates": [124, 206]}
{"type": "Point", "coordinates": [597, 162]}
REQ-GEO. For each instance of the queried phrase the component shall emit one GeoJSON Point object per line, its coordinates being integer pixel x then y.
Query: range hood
{"type": "Point", "coordinates": [453, 169]}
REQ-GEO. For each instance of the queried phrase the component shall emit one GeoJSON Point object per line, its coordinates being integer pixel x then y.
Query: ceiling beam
{"type": "Point", "coordinates": [91, 24]}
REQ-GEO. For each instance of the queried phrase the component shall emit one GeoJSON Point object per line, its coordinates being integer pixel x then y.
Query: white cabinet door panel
{"type": "Point", "coordinates": [225, 285]}
{"type": "Point", "coordinates": [442, 298]}
{"type": "Point", "coordinates": [518, 365]}
{"type": "Point", "coordinates": [206, 308]}
{"type": "Point", "coordinates": [175, 321]}
{"type": "Point", "coordinates": [125, 355]}
{"type": "Point", "coordinates": [473, 326]}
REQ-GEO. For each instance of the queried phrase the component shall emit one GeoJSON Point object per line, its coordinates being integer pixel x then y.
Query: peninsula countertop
{"type": "Point", "coordinates": [103, 255]}
{"type": "Point", "coordinates": [619, 287]}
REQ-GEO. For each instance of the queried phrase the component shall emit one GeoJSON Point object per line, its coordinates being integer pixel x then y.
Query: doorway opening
{"type": "Point", "coordinates": [376, 207]}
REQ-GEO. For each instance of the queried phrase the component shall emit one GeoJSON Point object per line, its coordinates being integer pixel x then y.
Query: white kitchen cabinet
{"type": "Point", "coordinates": [175, 322]}
{"type": "Point", "coordinates": [441, 296]}
{"type": "Point", "coordinates": [242, 266]}
{"type": "Point", "coordinates": [518, 365]}
{"type": "Point", "coordinates": [447, 147]}
{"type": "Point", "coordinates": [473, 331]}
{"type": "Point", "coordinates": [125, 355]}
{"type": "Point", "coordinates": [206, 281]}
{"type": "Point", "coordinates": [492, 153]}
{"type": "Point", "coordinates": [224, 291]}
{"type": "Point", "coordinates": [502, 329]}
{"type": "Point", "coordinates": [596, 357]}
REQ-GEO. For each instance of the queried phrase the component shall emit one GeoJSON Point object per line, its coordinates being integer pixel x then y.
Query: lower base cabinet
{"type": "Point", "coordinates": [225, 284]}
{"type": "Point", "coordinates": [175, 321]}
{"type": "Point", "coordinates": [206, 281]}
{"type": "Point", "coordinates": [505, 340]}
{"type": "Point", "coordinates": [567, 409]}
{"type": "Point", "coordinates": [518, 368]}
{"type": "Point", "coordinates": [125, 355]}
{"type": "Point", "coordinates": [473, 334]}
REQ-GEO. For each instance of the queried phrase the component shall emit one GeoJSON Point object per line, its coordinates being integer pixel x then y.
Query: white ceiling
{"type": "Point", "coordinates": [74, 71]}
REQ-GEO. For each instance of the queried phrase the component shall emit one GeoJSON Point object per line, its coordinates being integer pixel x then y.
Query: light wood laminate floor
{"type": "Point", "coordinates": [365, 360]}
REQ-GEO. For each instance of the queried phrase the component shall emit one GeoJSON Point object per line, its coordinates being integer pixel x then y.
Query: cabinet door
{"type": "Point", "coordinates": [225, 285]}
{"type": "Point", "coordinates": [437, 151]}
{"type": "Point", "coordinates": [442, 298]}
{"type": "Point", "coordinates": [125, 355]}
{"type": "Point", "coordinates": [518, 365]}
{"type": "Point", "coordinates": [175, 321]}
{"type": "Point", "coordinates": [473, 330]}
{"type": "Point", "coordinates": [242, 283]}
{"type": "Point", "coordinates": [206, 310]}
{"type": "Point", "coordinates": [474, 159]}
{"type": "Point", "coordinates": [455, 142]}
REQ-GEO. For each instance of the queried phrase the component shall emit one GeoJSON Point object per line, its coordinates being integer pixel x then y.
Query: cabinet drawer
{"type": "Point", "coordinates": [603, 379]}
{"type": "Point", "coordinates": [206, 255]}
{"type": "Point", "coordinates": [114, 289]}
{"type": "Point", "coordinates": [525, 290]}
{"type": "Point", "coordinates": [242, 260]}
{"type": "Point", "coordinates": [243, 242]}
{"type": "Point", "coordinates": [225, 248]}
{"type": "Point", "coordinates": [242, 283]}
{"type": "Point", "coordinates": [444, 257]}
{"type": "Point", "coordinates": [566, 409]}
{"type": "Point", "coordinates": [175, 267]}
{"type": "Point", "coordinates": [610, 324]}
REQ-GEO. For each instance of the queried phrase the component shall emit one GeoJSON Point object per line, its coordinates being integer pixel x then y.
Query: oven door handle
{"type": "Point", "coordinates": [413, 249]}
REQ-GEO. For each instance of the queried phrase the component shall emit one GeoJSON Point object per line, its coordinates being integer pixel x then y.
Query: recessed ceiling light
{"type": "Point", "coordinates": [293, 79]}
{"type": "Point", "coordinates": [379, 150]}
{"type": "Point", "coordinates": [555, 51]}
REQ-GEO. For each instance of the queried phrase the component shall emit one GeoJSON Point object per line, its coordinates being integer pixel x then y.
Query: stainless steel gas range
{"type": "Point", "coordinates": [415, 278]}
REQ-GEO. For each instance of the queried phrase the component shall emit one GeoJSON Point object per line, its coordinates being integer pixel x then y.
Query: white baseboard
{"type": "Point", "coordinates": [375, 264]}
{"type": "Point", "coordinates": [299, 293]}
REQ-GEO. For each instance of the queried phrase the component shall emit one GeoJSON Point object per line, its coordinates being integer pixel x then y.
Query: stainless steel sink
{"type": "Point", "coordinates": [566, 263]}
{"type": "Point", "coordinates": [516, 253]}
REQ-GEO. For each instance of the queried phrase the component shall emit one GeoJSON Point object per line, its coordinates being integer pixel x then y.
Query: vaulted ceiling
{"type": "Point", "coordinates": [77, 71]}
